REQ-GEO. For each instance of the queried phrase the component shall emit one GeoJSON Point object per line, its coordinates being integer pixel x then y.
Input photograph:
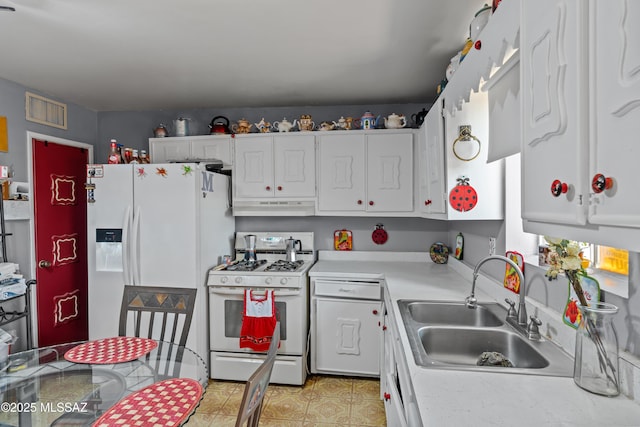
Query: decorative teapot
{"type": "Point", "coordinates": [263, 126]}
{"type": "Point", "coordinates": [327, 126]}
{"type": "Point", "coordinates": [418, 118]}
{"type": "Point", "coordinates": [284, 125]}
{"type": "Point", "coordinates": [367, 121]}
{"type": "Point", "coordinates": [243, 126]}
{"type": "Point", "coordinates": [161, 131]}
{"type": "Point", "coordinates": [219, 126]}
{"type": "Point", "coordinates": [305, 123]}
{"type": "Point", "coordinates": [394, 121]}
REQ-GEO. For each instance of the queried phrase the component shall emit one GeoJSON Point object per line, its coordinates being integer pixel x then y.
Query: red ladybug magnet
{"type": "Point", "coordinates": [463, 197]}
{"type": "Point", "coordinates": [379, 235]}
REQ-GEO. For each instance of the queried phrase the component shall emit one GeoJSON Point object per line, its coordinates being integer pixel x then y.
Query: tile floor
{"type": "Point", "coordinates": [323, 401]}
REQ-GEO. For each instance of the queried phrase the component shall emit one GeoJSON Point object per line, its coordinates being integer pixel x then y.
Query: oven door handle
{"type": "Point", "coordinates": [240, 291]}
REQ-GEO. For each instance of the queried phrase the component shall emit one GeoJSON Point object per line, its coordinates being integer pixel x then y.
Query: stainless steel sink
{"type": "Point", "coordinates": [464, 346]}
{"type": "Point", "coordinates": [455, 314]}
{"type": "Point", "coordinates": [448, 335]}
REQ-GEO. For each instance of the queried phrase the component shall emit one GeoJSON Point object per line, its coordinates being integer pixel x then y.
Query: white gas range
{"type": "Point", "coordinates": [266, 269]}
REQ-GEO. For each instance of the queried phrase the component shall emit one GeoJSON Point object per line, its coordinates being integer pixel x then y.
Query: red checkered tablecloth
{"type": "Point", "coordinates": [110, 350]}
{"type": "Point", "coordinates": [165, 403]}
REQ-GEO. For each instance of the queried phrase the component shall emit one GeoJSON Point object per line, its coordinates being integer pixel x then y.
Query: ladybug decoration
{"type": "Point", "coordinates": [379, 235]}
{"type": "Point", "coordinates": [463, 197]}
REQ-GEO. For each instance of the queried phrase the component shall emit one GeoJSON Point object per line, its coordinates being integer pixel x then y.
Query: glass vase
{"type": "Point", "coordinates": [596, 359]}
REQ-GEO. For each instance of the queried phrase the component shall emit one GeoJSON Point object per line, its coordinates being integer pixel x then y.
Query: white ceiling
{"type": "Point", "coordinates": [121, 55]}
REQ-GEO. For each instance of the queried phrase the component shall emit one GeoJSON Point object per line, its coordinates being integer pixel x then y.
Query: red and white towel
{"type": "Point", "coordinates": [258, 320]}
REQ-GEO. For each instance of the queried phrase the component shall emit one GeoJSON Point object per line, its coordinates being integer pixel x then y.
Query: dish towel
{"type": "Point", "coordinates": [258, 320]}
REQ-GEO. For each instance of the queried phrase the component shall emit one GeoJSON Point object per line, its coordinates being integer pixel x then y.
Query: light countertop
{"type": "Point", "coordinates": [456, 398]}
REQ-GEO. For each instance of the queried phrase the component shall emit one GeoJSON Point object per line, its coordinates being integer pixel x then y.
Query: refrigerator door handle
{"type": "Point", "coordinates": [126, 257]}
{"type": "Point", "coordinates": [135, 258]}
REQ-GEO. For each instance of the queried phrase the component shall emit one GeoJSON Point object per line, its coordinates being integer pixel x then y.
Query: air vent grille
{"type": "Point", "coordinates": [46, 111]}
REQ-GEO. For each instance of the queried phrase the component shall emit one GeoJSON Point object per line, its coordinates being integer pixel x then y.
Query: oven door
{"type": "Point", "coordinates": [225, 317]}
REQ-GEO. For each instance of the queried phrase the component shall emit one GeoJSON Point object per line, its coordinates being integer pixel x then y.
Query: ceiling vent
{"type": "Point", "coordinates": [46, 111]}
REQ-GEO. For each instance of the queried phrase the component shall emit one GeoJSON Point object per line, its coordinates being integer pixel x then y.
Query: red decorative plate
{"type": "Point", "coordinates": [165, 403]}
{"type": "Point", "coordinates": [110, 350]}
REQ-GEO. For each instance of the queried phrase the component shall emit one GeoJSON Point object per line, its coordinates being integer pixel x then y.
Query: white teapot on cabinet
{"type": "Point", "coordinates": [284, 125]}
{"type": "Point", "coordinates": [394, 121]}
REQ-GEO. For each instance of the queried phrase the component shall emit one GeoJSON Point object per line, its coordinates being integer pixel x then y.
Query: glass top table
{"type": "Point", "coordinates": [39, 386]}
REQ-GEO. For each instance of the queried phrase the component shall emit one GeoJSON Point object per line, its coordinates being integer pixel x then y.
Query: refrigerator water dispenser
{"type": "Point", "coordinates": [109, 249]}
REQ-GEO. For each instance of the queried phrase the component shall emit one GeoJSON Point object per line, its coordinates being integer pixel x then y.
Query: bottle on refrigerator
{"type": "Point", "coordinates": [134, 157]}
{"type": "Point", "coordinates": [144, 158]}
{"type": "Point", "coordinates": [114, 155]}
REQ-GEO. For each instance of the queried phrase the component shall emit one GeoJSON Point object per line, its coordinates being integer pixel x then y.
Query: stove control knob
{"type": "Point", "coordinates": [267, 281]}
{"type": "Point", "coordinates": [224, 279]}
{"type": "Point", "coordinates": [238, 279]}
{"type": "Point", "coordinates": [283, 281]}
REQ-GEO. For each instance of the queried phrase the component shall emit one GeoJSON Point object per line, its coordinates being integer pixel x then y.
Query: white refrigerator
{"type": "Point", "coordinates": [155, 225]}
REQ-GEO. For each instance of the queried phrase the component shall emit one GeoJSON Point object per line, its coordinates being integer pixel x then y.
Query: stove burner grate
{"type": "Point", "coordinates": [282, 265]}
{"type": "Point", "coordinates": [245, 265]}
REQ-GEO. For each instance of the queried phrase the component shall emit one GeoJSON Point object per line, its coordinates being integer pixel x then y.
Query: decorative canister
{"type": "Point", "coordinates": [596, 362]}
{"type": "Point", "coordinates": [181, 126]}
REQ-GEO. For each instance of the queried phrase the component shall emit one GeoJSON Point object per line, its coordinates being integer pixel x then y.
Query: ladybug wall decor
{"type": "Point", "coordinates": [379, 235]}
{"type": "Point", "coordinates": [463, 197]}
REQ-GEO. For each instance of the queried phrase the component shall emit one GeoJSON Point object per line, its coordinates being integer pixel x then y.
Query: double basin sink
{"type": "Point", "coordinates": [448, 335]}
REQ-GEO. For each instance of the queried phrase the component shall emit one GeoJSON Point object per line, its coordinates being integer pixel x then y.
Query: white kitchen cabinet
{"type": "Point", "coordinates": [365, 172]}
{"type": "Point", "coordinates": [345, 327]}
{"type": "Point", "coordinates": [190, 148]}
{"type": "Point", "coordinates": [451, 158]}
{"type": "Point", "coordinates": [581, 98]}
{"type": "Point", "coordinates": [432, 175]}
{"type": "Point", "coordinates": [396, 389]}
{"type": "Point", "coordinates": [274, 166]}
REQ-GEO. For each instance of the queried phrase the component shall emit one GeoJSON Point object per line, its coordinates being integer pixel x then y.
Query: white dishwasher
{"type": "Point", "coordinates": [345, 328]}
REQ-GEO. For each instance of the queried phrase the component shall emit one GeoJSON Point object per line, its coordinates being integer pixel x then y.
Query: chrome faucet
{"type": "Point", "coordinates": [472, 302]}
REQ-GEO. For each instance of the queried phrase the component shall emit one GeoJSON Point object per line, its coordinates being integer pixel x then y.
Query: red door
{"type": "Point", "coordinates": [60, 205]}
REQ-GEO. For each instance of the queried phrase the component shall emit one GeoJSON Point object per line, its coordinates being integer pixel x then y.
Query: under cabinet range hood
{"type": "Point", "coordinates": [274, 208]}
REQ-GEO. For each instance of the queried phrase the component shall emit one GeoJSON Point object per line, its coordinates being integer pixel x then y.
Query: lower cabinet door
{"type": "Point", "coordinates": [347, 337]}
{"type": "Point", "coordinates": [393, 408]}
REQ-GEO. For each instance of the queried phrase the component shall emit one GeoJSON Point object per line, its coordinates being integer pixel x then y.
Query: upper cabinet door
{"type": "Point", "coordinates": [214, 147]}
{"type": "Point", "coordinates": [615, 115]}
{"type": "Point", "coordinates": [163, 150]}
{"type": "Point", "coordinates": [295, 166]}
{"type": "Point", "coordinates": [389, 172]}
{"type": "Point", "coordinates": [435, 173]}
{"type": "Point", "coordinates": [555, 108]}
{"type": "Point", "coordinates": [341, 185]}
{"type": "Point", "coordinates": [254, 166]}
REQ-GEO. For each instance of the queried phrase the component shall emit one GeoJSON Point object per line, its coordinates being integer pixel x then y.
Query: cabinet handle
{"type": "Point", "coordinates": [387, 396]}
{"type": "Point", "coordinates": [601, 183]}
{"type": "Point", "coordinates": [375, 312]}
{"type": "Point", "coordinates": [384, 328]}
{"type": "Point", "coordinates": [558, 187]}
{"type": "Point", "coordinates": [268, 188]}
{"type": "Point", "coordinates": [279, 187]}
{"type": "Point", "coordinates": [359, 202]}
{"type": "Point", "coordinates": [427, 202]}
{"type": "Point", "coordinates": [478, 45]}
{"type": "Point", "coordinates": [370, 202]}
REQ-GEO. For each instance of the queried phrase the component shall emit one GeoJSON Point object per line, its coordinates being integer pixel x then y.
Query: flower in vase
{"type": "Point", "coordinates": [564, 257]}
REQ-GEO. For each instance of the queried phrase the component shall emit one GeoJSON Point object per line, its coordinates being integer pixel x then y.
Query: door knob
{"type": "Point", "coordinates": [601, 183]}
{"type": "Point", "coordinates": [558, 187]}
{"type": "Point", "coordinates": [44, 264]}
